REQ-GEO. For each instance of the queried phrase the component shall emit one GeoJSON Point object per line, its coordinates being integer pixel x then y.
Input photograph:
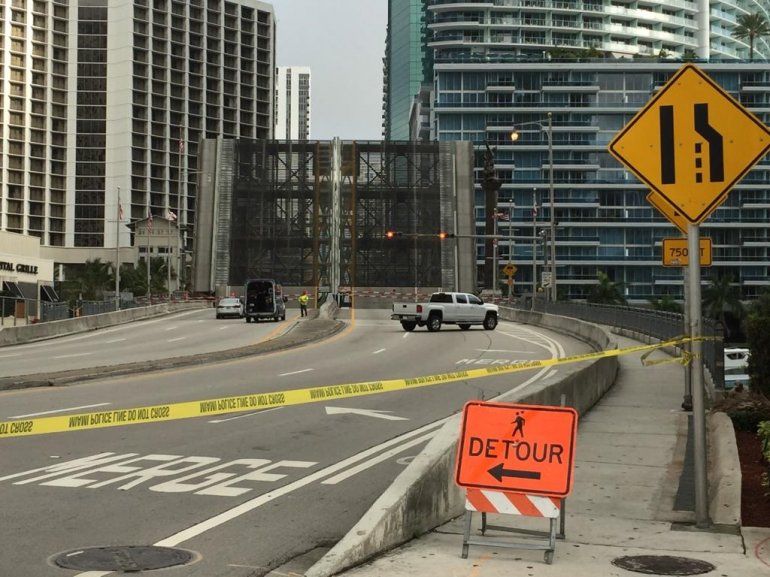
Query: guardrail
{"type": "Point", "coordinates": [657, 324]}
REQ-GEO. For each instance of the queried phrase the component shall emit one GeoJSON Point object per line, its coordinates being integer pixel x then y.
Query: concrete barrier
{"type": "Point", "coordinates": [42, 331]}
{"type": "Point", "coordinates": [724, 471]}
{"type": "Point", "coordinates": [424, 495]}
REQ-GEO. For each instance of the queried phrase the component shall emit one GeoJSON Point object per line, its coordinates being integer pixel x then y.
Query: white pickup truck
{"type": "Point", "coordinates": [461, 309]}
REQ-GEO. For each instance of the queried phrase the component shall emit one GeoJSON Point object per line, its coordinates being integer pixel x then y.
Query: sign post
{"type": "Point", "coordinates": [516, 460]}
{"type": "Point", "coordinates": [691, 144]}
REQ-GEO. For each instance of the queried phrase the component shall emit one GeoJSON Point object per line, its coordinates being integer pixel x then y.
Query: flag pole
{"type": "Point", "coordinates": [149, 248]}
{"type": "Point", "coordinates": [117, 255]}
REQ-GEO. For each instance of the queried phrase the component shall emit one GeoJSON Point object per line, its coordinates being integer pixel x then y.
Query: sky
{"type": "Point", "coordinates": [343, 42]}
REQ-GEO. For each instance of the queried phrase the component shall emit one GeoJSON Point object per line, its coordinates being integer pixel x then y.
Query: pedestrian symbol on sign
{"type": "Point", "coordinates": [519, 421]}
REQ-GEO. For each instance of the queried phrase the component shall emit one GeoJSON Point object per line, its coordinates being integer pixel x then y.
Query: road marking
{"type": "Point", "coordinates": [115, 341]}
{"type": "Point", "coordinates": [364, 412]}
{"type": "Point", "coordinates": [295, 372]}
{"type": "Point", "coordinates": [378, 459]}
{"type": "Point", "coordinates": [246, 415]}
{"type": "Point", "coordinates": [552, 373]}
{"type": "Point", "coordinates": [224, 328]}
{"type": "Point", "coordinates": [405, 335]}
{"type": "Point", "coordinates": [8, 356]}
{"type": "Point", "coordinates": [171, 328]}
{"type": "Point", "coordinates": [379, 351]}
{"type": "Point", "coordinates": [506, 351]}
{"type": "Point", "coordinates": [60, 411]}
{"type": "Point", "coordinates": [73, 355]}
{"type": "Point", "coordinates": [176, 339]}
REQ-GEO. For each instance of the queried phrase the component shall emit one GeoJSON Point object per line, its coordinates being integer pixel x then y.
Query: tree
{"type": "Point", "coordinates": [93, 277]}
{"type": "Point", "coordinates": [758, 338]}
{"type": "Point", "coordinates": [689, 55]}
{"type": "Point", "coordinates": [751, 26]}
{"type": "Point", "coordinates": [606, 291]}
{"type": "Point", "coordinates": [721, 298]}
{"type": "Point", "coordinates": [666, 303]}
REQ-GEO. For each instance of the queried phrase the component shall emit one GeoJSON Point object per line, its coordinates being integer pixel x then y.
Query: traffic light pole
{"type": "Point", "coordinates": [696, 374]}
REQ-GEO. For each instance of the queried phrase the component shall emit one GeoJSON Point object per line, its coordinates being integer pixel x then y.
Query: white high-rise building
{"type": "Point", "coordinates": [101, 96]}
{"type": "Point", "coordinates": [292, 103]}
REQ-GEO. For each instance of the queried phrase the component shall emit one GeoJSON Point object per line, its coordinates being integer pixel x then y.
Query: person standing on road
{"type": "Point", "coordinates": [303, 298]}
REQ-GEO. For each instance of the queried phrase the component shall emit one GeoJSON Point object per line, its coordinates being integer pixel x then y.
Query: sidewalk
{"type": "Point", "coordinates": [629, 457]}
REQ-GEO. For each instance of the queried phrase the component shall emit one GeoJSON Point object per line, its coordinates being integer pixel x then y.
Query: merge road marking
{"type": "Point", "coordinates": [73, 355]}
{"type": "Point", "coordinates": [246, 415]}
{"type": "Point", "coordinates": [59, 411]}
{"type": "Point", "coordinates": [176, 339]}
{"type": "Point", "coordinates": [111, 341]}
{"type": "Point", "coordinates": [379, 351]}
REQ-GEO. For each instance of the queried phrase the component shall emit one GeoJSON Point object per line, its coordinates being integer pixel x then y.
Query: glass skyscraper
{"type": "Point", "coordinates": [500, 65]}
{"type": "Point", "coordinates": [407, 64]}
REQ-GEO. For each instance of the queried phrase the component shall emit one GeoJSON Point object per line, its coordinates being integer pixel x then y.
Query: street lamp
{"type": "Point", "coordinates": [548, 127]}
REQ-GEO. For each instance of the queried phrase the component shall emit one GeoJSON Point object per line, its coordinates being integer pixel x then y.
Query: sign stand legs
{"type": "Point", "coordinates": [548, 546]}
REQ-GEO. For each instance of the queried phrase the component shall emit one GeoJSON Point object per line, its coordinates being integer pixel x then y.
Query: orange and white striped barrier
{"type": "Point", "coordinates": [486, 501]}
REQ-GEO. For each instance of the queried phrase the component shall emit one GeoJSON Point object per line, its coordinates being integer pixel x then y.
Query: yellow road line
{"type": "Point", "coordinates": [250, 402]}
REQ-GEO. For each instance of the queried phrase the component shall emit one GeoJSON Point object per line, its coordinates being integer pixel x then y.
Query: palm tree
{"type": "Point", "coordinates": [606, 291]}
{"type": "Point", "coordinates": [94, 277]}
{"type": "Point", "coordinates": [751, 26]}
{"type": "Point", "coordinates": [720, 298]}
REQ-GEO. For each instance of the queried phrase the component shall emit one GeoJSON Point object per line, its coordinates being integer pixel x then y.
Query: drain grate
{"type": "Point", "coordinates": [129, 559]}
{"type": "Point", "coordinates": [663, 565]}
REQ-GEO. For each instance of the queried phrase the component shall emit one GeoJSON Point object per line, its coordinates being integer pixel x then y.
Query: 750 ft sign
{"type": "Point", "coordinates": [676, 253]}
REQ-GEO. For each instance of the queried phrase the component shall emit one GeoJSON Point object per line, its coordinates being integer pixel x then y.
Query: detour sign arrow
{"type": "Point", "coordinates": [517, 448]}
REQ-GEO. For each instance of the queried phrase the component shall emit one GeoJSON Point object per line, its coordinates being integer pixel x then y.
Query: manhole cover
{"type": "Point", "coordinates": [663, 565]}
{"type": "Point", "coordinates": [127, 559]}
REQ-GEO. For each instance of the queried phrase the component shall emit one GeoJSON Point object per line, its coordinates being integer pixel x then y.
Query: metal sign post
{"type": "Point", "coordinates": [696, 372]}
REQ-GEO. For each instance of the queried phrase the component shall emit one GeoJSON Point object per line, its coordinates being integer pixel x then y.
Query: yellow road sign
{"type": "Point", "coordinates": [674, 216]}
{"type": "Point", "coordinates": [676, 252]}
{"type": "Point", "coordinates": [509, 270]}
{"type": "Point", "coordinates": [691, 143]}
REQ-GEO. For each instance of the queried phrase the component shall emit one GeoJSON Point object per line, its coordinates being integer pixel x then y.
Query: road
{"type": "Point", "coordinates": [185, 333]}
{"type": "Point", "coordinates": [251, 490]}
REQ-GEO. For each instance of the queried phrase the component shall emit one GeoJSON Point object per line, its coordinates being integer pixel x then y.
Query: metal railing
{"type": "Point", "coordinates": [16, 311]}
{"type": "Point", "coordinates": [657, 324]}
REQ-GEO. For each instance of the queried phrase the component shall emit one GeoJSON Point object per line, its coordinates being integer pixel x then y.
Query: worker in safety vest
{"type": "Point", "coordinates": [303, 298]}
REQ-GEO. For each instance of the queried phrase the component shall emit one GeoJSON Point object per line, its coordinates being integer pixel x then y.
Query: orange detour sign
{"type": "Point", "coordinates": [517, 448]}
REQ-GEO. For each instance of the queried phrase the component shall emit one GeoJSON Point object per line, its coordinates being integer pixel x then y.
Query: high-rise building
{"type": "Point", "coordinates": [100, 98]}
{"type": "Point", "coordinates": [407, 62]}
{"type": "Point", "coordinates": [292, 103]}
{"type": "Point", "coordinates": [504, 65]}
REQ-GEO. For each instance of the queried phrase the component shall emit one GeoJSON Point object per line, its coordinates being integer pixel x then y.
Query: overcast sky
{"type": "Point", "coordinates": [343, 42]}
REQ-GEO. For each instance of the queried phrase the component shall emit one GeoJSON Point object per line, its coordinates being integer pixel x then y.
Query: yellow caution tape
{"type": "Point", "coordinates": [259, 401]}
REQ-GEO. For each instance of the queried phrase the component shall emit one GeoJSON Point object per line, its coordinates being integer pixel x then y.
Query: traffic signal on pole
{"type": "Point", "coordinates": [444, 235]}
{"type": "Point", "coordinates": [391, 234]}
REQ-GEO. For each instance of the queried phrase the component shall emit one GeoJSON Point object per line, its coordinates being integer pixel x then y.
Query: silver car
{"type": "Point", "coordinates": [230, 307]}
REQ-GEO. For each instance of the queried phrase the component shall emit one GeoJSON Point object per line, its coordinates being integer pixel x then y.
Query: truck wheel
{"type": "Point", "coordinates": [408, 325]}
{"type": "Point", "coordinates": [490, 322]}
{"type": "Point", "coordinates": [434, 323]}
{"type": "Point", "coordinates": [464, 326]}
{"type": "Point", "coordinates": [248, 319]}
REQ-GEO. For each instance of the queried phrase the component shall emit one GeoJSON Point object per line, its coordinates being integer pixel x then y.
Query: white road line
{"type": "Point", "coordinates": [379, 351]}
{"type": "Point", "coordinates": [171, 328]}
{"type": "Point", "coordinates": [405, 335]}
{"type": "Point", "coordinates": [378, 459]}
{"type": "Point", "coordinates": [73, 355]}
{"type": "Point", "coordinates": [552, 373]}
{"type": "Point", "coordinates": [9, 356]}
{"type": "Point", "coordinates": [224, 327]}
{"type": "Point", "coordinates": [59, 411]}
{"type": "Point", "coordinates": [176, 339]}
{"type": "Point", "coordinates": [295, 372]}
{"type": "Point", "coordinates": [505, 351]}
{"type": "Point", "coordinates": [115, 341]}
{"type": "Point", "coordinates": [243, 508]}
{"type": "Point", "coordinates": [246, 415]}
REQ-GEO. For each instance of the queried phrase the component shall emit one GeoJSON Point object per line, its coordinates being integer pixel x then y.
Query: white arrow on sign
{"type": "Point", "coordinates": [364, 412]}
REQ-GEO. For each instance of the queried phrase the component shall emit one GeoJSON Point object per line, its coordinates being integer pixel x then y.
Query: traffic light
{"type": "Point", "coordinates": [445, 235]}
{"type": "Point", "coordinates": [391, 234]}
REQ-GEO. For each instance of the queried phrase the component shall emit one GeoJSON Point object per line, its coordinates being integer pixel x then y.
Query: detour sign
{"type": "Point", "coordinates": [517, 448]}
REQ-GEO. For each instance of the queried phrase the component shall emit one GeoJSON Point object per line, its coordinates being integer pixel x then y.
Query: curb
{"type": "Point", "coordinates": [724, 471]}
{"type": "Point", "coordinates": [424, 495]}
{"type": "Point", "coordinates": [290, 339]}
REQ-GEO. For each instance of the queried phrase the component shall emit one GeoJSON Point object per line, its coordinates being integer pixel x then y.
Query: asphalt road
{"type": "Point", "coordinates": [246, 491]}
{"type": "Point", "coordinates": [185, 333]}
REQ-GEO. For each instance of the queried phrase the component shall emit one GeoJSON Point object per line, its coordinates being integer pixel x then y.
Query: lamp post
{"type": "Point", "coordinates": [548, 127]}
{"type": "Point", "coordinates": [534, 246]}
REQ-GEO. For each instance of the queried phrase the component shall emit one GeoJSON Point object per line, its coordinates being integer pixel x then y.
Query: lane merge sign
{"type": "Point", "coordinates": [676, 252]}
{"type": "Point", "coordinates": [517, 448]}
{"type": "Point", "coordinates": [691, 143]}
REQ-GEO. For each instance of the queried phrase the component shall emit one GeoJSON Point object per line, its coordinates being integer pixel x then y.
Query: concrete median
{"type": "Point", "coordinates": [424, 495]}
{"type": "Point", "coordinates": [53, 329]}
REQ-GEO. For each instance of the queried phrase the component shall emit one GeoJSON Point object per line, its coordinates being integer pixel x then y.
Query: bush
{"type": "Point", "coordinates": [763, 430]}
{"type": "Point", "coordinates": [758, 338]}
{"type": "Point", "coordinates": [747, 410]}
